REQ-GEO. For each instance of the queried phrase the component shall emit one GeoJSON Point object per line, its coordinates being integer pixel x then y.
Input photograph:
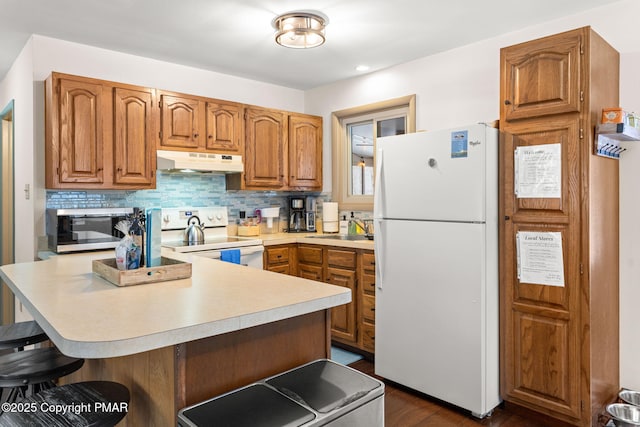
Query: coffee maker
{"type": "Point", "coordinates": [310, 214]}
{"type": "Point", "coordinates": [297, 222]}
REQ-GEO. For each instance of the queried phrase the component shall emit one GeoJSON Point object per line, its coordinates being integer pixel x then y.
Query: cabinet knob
{"type": "Point", "coordinates": [210, 136]}
{"type": "Point", "coordinates": [507, 102]}
{"type": "Point", "coordinates": [195, 135]}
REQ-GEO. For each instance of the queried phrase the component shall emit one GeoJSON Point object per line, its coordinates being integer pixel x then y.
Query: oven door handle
{"type": "Point", "coordinates": [244, 250]}
{"type": "Point", "coordinates": [250, 250]}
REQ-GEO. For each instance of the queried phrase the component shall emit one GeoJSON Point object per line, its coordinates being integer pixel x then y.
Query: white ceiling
{"type": "Point", "coordinates": [236, 36]}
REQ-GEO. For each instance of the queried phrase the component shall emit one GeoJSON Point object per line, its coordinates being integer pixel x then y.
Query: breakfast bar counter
{"type": "Point", "coordinates": [178, 342]}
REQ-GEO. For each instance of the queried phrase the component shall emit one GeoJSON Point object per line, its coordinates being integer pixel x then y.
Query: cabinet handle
{"type": "Point", "coordinates": [195, 135]}
{"type": "Point", "coordinates": [373, 309]}
{"type": "Point", "coordinates": [507, 102]}
{"type": "Point", "coordinates": [210, 136]}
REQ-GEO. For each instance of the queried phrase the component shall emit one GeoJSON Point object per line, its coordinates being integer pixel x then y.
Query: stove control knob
{"type": "Point", "coordinates": [219, 217]}
{"type": "Point", "coordinates": [166, 218]}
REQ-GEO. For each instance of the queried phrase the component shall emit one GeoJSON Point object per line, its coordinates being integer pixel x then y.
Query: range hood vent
{"type": "Point", "coordinates": [186, 161]}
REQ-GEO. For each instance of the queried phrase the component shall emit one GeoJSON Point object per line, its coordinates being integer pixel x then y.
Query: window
{"type": "Point", "coordinates": [354, 134]}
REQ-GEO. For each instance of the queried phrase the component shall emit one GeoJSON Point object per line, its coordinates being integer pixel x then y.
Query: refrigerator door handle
{"type": "Point", "coordinates": [377, 192]}
{"type": "Point", "coordinates": [379, 251]}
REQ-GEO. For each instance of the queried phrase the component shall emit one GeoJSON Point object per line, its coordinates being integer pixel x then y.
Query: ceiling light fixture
{"type": "Point", "coordinates": [300, 30]}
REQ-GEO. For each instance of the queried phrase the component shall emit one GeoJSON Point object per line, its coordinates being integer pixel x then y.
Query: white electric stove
{"type": "Point", "coordinates": [216, 240]}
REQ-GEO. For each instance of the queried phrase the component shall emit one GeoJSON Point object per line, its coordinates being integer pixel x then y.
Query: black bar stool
{"type": "Point", "coordinates": [91, 403]}
{"type": "Point", "coordinates": [36, 369]}
{"type": "Point", "coordinates": [19, 335]}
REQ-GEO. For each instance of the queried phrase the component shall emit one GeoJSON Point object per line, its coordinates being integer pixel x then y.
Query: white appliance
{"type": "Point", "coordinates": [436, 249]}
{"type": "Point", "coordinates": [215, 220]}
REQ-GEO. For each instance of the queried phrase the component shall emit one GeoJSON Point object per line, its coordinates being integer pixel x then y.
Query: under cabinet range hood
{"type": "Point", "coordinates": [189, 161]}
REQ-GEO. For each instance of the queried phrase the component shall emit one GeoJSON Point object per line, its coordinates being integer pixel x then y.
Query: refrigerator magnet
{"type": "Point", "coordinates": [459, 144]}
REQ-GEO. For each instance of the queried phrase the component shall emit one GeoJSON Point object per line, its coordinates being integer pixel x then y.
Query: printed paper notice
{"type": "Point", "coordinates": [540, 258]}
{"type": "Point", "coordinates": [537, 171]}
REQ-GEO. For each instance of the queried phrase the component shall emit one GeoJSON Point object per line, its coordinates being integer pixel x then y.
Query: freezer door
{"type": "Point", "coordinates": [439, 175]}
{"type": "Point", "coordinates": [436, 315]}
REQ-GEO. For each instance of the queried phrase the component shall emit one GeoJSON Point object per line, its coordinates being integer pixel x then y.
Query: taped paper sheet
{"type": "Point", "coordinates": [538, 171]}
{"type": "Point", "coordinates": [540, 258]}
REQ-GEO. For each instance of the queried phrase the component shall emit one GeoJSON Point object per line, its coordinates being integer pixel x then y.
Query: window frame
{"type": "Point", "coordinates": [341, 149]}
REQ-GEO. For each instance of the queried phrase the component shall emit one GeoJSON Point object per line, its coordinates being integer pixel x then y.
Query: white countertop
{"type": "Point", "coordinates": [312, 238]}
{"type": "Point", "coordinates": [86, 316]}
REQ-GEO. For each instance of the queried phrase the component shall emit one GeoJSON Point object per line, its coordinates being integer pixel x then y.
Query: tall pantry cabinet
{"type": "Point", "coordinates": [559, 341]}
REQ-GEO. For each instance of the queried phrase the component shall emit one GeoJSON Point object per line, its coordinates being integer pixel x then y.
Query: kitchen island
{"type": "Point", "coordinates": [178, 342]}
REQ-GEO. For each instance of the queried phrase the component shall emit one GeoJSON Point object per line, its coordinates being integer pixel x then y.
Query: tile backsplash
{"type": "Point", "coordinates": [179, 189]}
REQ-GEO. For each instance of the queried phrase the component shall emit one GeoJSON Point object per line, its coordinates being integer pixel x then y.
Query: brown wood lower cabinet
{"type": "Point", "coordinates": [367, 301]}
{"type": "Point", "coordinates": [352, 324]}
{"type": "Point", "coordinates": [280, 259]}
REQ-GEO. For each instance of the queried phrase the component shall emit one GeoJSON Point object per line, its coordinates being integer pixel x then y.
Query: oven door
{"type": "Point", "coordinates": [250, 256]}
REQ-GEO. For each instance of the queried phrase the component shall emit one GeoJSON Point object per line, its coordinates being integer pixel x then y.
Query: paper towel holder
{"type": "Point", "coordinates": [330, 217]}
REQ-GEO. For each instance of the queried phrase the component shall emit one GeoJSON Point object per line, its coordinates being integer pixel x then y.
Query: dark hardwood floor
{"type": "Point", "coordinates": [406, 408]}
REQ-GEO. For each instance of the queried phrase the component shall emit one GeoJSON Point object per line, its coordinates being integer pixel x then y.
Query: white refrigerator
{"type": "Point", "coordinates": [436, 249]}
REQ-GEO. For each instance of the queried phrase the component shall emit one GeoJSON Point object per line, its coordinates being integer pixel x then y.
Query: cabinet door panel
{"type": "Point", "coordinates": [277, 255]}
{"type": "Point", "coordinates": [224, 127]}
{"type": "Point", "coordinates": [339, 257]}
{"type": "Point", "coordinates": [343, 318]}
{"type": "Point", "coordinates": [369, 308]}
{"type": "Point", "coordinates": [134, 143]}
{"type": "Point", "coordinates": [310, 254]}
{"type": "Point", "coordinates": [546, 366]}
{"type": "Point", "coordinates": [542, 77]}
{"type": "Point", "coordinates": [81, 132]}
{"type": "Point", "coordinates": [180, 122]}
{"type": "Point", "coordinates": [368, 337]}
{"type": "Point", "coordinates": [265, 148]}
{"type": "Point", "coordinates": [305, 151]}
{"type": "Point", "coordinates": [280, 268]}
{"type": "Point", "coordinates": [312, 272]}
{"type": "Point", "coordinates": [565, 132]}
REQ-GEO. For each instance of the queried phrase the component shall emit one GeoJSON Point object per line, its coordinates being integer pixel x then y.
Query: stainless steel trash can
{"type": "Point", "coordinates": [339, 395]}
{"type": "Point", "coordinates": [256, 405]}
{"type": "Point", "coordinates": [319, 393]}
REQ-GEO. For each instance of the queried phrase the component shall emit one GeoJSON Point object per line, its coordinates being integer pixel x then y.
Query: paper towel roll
{"type": "Point", "coordinates": [330, 217]}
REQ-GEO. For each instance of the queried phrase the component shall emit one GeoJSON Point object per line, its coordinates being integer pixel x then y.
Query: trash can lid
{"type": "Point", "coordinates": [254, 406]}
{"type": "Point", "coordinates": [326, 386]}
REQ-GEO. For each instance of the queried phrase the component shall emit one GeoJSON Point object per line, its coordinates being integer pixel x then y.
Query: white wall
{"type": "Point", "coordinates": [73, 58]}
{"type": "Point", "coordinates": [18, 85]}
{"type": "Point", "coordinates": [462, 86]}
{"type": "Point", "coordinates": [630, 232]}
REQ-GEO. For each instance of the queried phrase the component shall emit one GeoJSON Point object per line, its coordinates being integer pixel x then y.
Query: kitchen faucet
{"type": "Point", "coordinates": [364, 225]}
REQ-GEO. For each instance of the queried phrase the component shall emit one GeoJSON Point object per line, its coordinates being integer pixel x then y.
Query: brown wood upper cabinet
{"type": "Point", "coordinates": [98, 134]}
{"type": "Point", "coordinates": [559, 344]}
{"type": "Point", "coordinates": [305, 152]}
{"type": "Point", "coordinates": [525, 94]}
{"type": "Point", "coordinates": [283, 151]}
{"type": "Point", "coordinates": [192, 123]}
{"type": "Point", "coordinates": [265, 149]}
